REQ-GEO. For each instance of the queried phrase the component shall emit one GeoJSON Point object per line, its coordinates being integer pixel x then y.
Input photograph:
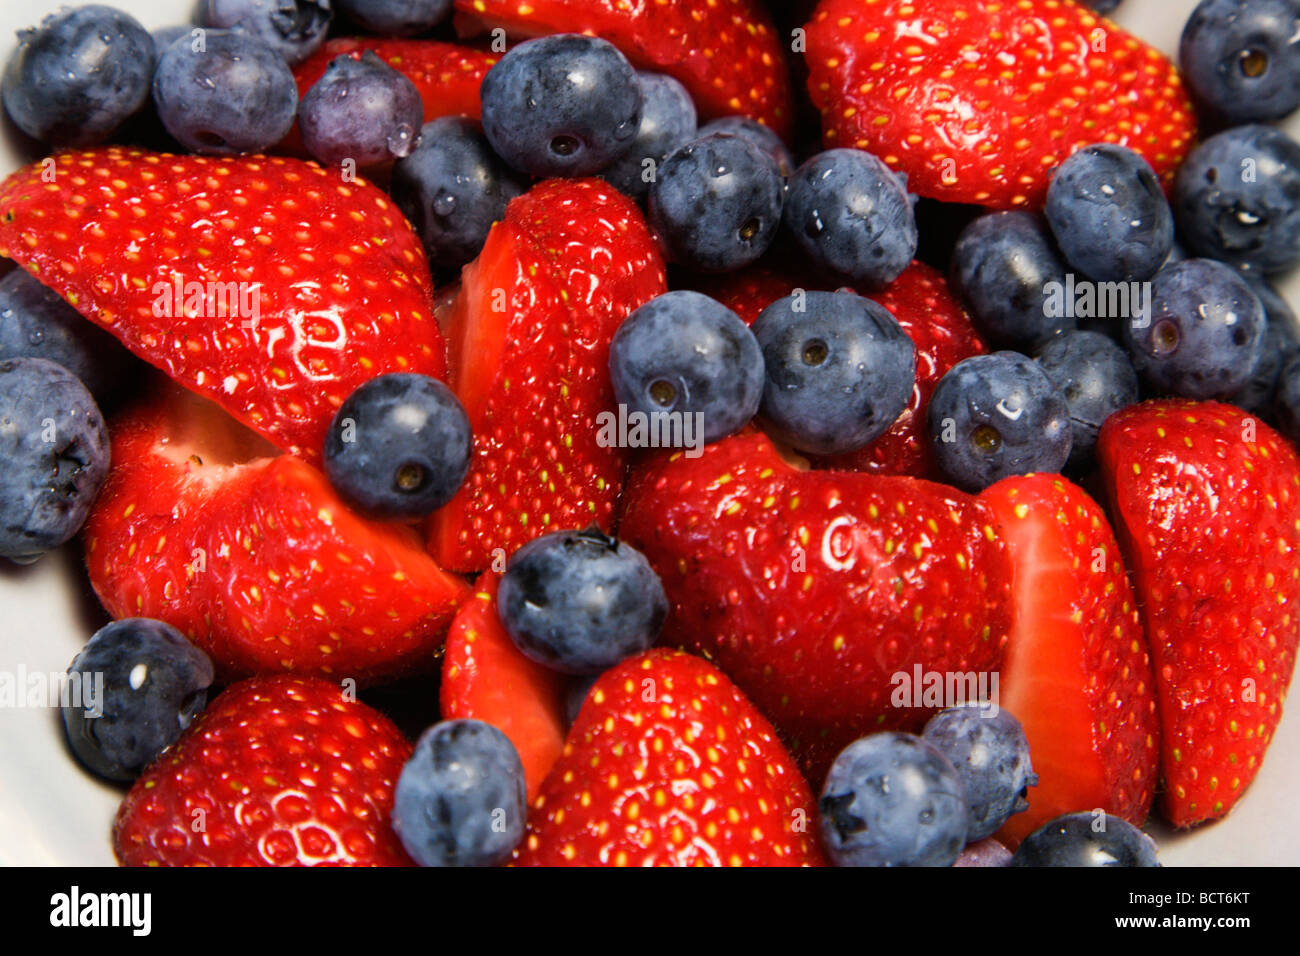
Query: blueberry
{"type": "Point", "coordinates": [360, 109]}
{"type": "Point", "coordinates": [1001, 266]}
{"type": "Point", "coordinates": [36, 322]}
{"type": "Point", "coordinates": [1241, 58]}
{"type": "Point", "coordinates": [562, 105]}
{"type": "Point", "coordinates": [1096, 378]}
{"type": "Point", "coordinates": [991, 755]}
{"type": "Point", "coordinates": [460, 799]}
{"type": "Point", "coordinates": [1085, 839]}
{"type": "Point", "coordinates": [761, 136]}
{"type": "Point", "coordinates": [839, 370]}
{"type": "Point", "coordinates": [399, 446]}
{"type": "Point", "coordinates": [54, 447]}
{"type": "Point", "coordinates": [998, 415]}
{"type": "Point", "coordinates": [1286, 401]}
{"type": "Point", "coordinates": [1102, 6]}
{"type": "Point", "coordinates": [686, 353]}
{"type": "Point", "coordinates": [1281, 342]}
{"type": "Point", "coordinates": [74, 79]}
{"type": "Point", "coordinates": [579, 601]}
{"type": "Point", "coordinates": [892, 799]}
{"type": "Point", "coordinates": [1204, 336]}
{"type": "Point", "coordinates": [1237, 199]}
{"type": "Point", "coordinates": [295, 29]}
{"type": "Point", "coordinates": [716, 203]}
{"type": "Point", "coordinates": [396, 18]}
{"type": "Point", "coordinates": [141, 683]}
{"type": "Point", "coordinates": [667, 121]}
{"type": "Point", "coordinates": [453, 188]}
{"type": "Point", "coordinates": [984, 853]}
{"type": "Point", "coordinates": [1109, 214]}
{"type": "Point", "coordinates": [235, 96]}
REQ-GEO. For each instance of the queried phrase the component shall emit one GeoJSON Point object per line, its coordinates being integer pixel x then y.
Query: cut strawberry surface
{"type": "Point", "coordinates": [529, 351]}
{"type": "Point", "coordinates": [484, 677]}
{"type": "Point", "coordinates": [1077, 674]}
{"type": "Point", "coordinates": [252, 555]}
{"type": "Point", "coordinates": [979, 100]}
{"type": "Point", "coordinates": [1206, 500]}
{"type": "Point", "coordinates": [267, 285]}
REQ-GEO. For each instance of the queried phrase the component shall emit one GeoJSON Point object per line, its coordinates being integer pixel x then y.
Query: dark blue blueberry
{"type": "Point", "coordinates": [579, 601]}
{"type": "Point", "coordinates": [453, 188]}
{"type": "Point", "coordinates": [686, 353]}
{"type": "Point", "coordinates": [362, 110]}
{"type": "Point", "coordinates": [399, 446]}
{"type": "Point", "coordinates": [396, 18]}
{"type": "Point", "coordinates": [562, 105]}
{"type": "Point", "coordinates": [1001, 266]}
{"type": "Point", "coordinates": [295, 29]}
{"type": "Point", "coordinates": [1237, 199]}
{"type": "Point", "coordinates": [839, 370]}
{"type": "Point", "coordinates": [140, 683]}
{"type": "Point", "coordinates": [892, 799]}
{"type": "Point", "coordinates": [991, 755]}
{"type": "Point", "coordinates": [667, 121]}
{"type": "Point", "coordinates": [36, 322]}
{"type": "Point", "coordinates": [236, 96]}
{"type": "Point", "coordinates": [1097, 379]}
{"type": "Point", "coordinates": [852, 216]}
{"type": "Point", "coordinates": [1109, 214]}
{"type": "Point", "coordinates": [761, 136]}
{"type": "Point", "coordinates": [1205, 334]}
{"type": "Point", "coordinates": [460, 799]}
{"type": "Point", "coordinates": [1286, 401]}
{"type": "Point", "coordinates": [1086, 839]}
{"type": "Point", "coordinates": [998, 415]}
{"type": "Point", "coordinates": [1281, 342]}
{"type": "Point", "coordinates": [74, 79]}
{"type": "Point", "coordinates": [1241, 58]}
{"type": "Point", "coordinates": [716, 203]}
{"type": "Point", "coordinates": [575, 695]}
{"type": "Point", "coordinates": [54, 450]}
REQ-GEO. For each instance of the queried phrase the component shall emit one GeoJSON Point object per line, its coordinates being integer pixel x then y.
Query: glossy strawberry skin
{"type": "Point", "coordinates": [278, 771]}
{"type": "Point", "coordinates": [342, 284]}
{"type": "Point", "coordinates": [669, 765]}
{"type": "Point", "coordinates": [1206, 501]}
{"type": "Point", "coordinates": [979, 100]}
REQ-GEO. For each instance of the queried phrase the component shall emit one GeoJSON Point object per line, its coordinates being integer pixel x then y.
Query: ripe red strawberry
{"type": "Point", "coordinates": [728, 54]}
{"type": "Point", "coordinates": [1207, 506]}
{"type": "Point", "coordinates": [252, 555]}
{"type": "Point", "coordinates": [278, 771]}
{"type": "Point", "coordinates": [338, 277]}
{"type": "Point", "coordinates": [1077, 674]}
{"type": "Point", "coordinates": [528, 346]}
{"type": "Point", "coordinates": [669, 765]}
{"type": "Point", "coordinates": [815, 590]}
{"type": "Point", "coordinates": [749, 291]}
{"type": "Point", "coordinates": [978, 100]}
{"type": "Point", "coordinates": [484, 677]}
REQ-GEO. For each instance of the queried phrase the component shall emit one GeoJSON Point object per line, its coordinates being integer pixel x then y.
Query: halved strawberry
{"type": "Point", "coordinates": [727, 54]}
{"type": "Point", "coordinates": [268, 285]}
{"type": "Point", "coordinates": [484, 677]}
{"type": "Point", "coordinates": [1077, 674]}
{"type": "Point", "coordinates": [253, 556]}
{"type": "Point", "coordinates": [669, 765]}
{"type": "Point", "coordinates": [529, 351]}
{"type": "Point", "coordinates": [979, 100]}
{"type": "Point", "coordinates": [1206, 500]}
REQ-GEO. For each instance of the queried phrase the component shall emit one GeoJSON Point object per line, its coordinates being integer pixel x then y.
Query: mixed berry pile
{"type": "Point", "coordinates": [857, 432]}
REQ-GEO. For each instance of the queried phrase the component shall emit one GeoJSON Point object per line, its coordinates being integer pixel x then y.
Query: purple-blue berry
{"type": "Point", "coordinates": [361, 110]}
{"type": "Point", "coordinates": [667, 121]}
{"type": "Point", "coordinates": [295, 29]}
{"type": "Point", "coordinates": [1241, 58]}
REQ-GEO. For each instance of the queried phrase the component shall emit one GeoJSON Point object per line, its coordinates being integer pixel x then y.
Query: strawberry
{"type": "Point", "coordinates": [1077, 674]}
{"type": "Point", "coordinates": [728, 55]}
{"type": "Point", "coordinates": [979, 100]}
{"type": "Point", "coordinates": [484, 677]}
{"type": "Point", "coordinates": [252, 555]}
{"type": "Point", "coordinates": [529, 350]}
{"type": "Point", "coordinates": [295, 287]}
{"type": "Point", "coordinates": [669, 765]}
{"type": "Point", "coordinates": [1206, 502]}
{"type": "Point", "coordinates": [816, 590]}
{"type": "Point", "coordinates": [749, 291]}
{"type": "Point", "coordinates": [278, 771]}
